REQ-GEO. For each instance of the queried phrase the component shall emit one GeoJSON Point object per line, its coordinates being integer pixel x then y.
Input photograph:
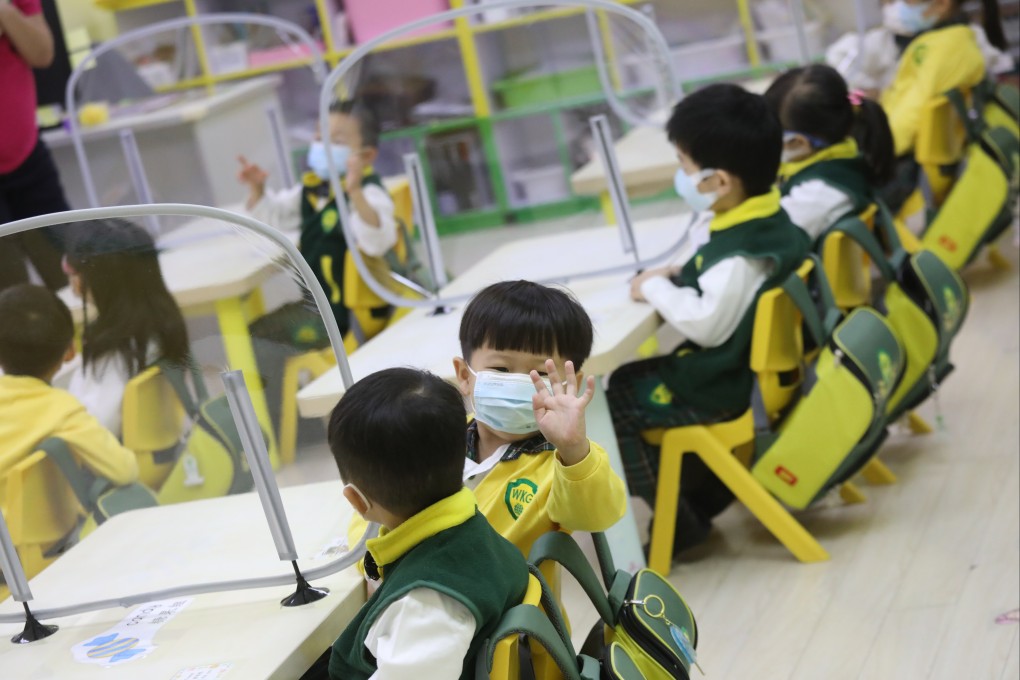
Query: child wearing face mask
{"type": "Point", "coordinates": [942, 54]}
{"type": "Point", "coordinates": [528, 459]}
{"type": "Point", "coordinates": [352, 140]}
{"type": "Point", "coordinates": [729, 146]}
{"type": "Point", "coordinates": [871, 65]}
{"type": "Point", "coordinates": [837, 147]}
{"type": "Point", "coordinates": [445, 575]}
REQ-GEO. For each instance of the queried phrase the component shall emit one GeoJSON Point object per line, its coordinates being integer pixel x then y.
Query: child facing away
{"type": "Point", "coordinates": [36, 333]}
{"type": "Point", "coordinates": [352, 140]}
{"type": "Point", "coordinates": [942, 55]}
{"type": "Point", "coordinates": [113, 266]}
{"type": "Point", "coordinates": [446, 576]}
{"type": "Point", "coordinates": [729, 146]}
{"type": "Point", "coordinates": [837, 147]}
{"type": "Point", "coordinates": [875, 70]}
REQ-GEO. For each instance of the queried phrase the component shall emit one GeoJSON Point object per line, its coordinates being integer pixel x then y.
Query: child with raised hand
{"type": "Point", "coordinates": [36, 334]}
{"type": "Point", "coordinates": [529, 460]}
{"type": "Point", "coordinates": [446, 577]}
{"type": "Point", "coordinates": [729, 146]}
{"type": "Point", "coordinates": [352, 140]}
{"type": "Point", "coordinates": [837, 147]}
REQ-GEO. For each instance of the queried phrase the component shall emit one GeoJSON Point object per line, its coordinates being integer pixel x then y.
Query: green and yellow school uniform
{"type": "Point", "coordinates": [449, 547]}
{"type": "Point", "coordinates": [695, 384]}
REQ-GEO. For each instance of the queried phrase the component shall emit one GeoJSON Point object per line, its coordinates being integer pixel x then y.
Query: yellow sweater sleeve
{"type": "Point", "coordinates": [97, 449]}
{"type": "Point", "coordinates": [587, 496]}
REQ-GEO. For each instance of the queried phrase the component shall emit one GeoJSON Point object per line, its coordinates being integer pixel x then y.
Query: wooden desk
{"type": "Point", "coordinates": [204, 541]}
{"type": "Point", "coordinates": [621, 325]}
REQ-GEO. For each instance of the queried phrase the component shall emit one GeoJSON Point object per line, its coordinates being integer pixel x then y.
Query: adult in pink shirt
{"type": "Point", "coordinates": [29, 183]}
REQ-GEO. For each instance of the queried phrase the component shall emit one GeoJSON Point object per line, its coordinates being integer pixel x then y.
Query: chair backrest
{"type": "Point", "coordinates": [941, 135]}
{"type": "Point", "coordinates": [153, 419]}
{"type": "Point", "coordinates": [777, 346]}
{"type": "Point", "coordinates": [38, 503]}
{"type": "Point", "coordinates": [506, 657]}
{"type": "Point", "coordinates": [848, 267]}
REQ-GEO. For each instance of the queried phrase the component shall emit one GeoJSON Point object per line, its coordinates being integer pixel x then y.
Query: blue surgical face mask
{"type": "Point", "coordinates": [503, 401]}
{"type": "Point", "coordinates": [319, 163]}
{"type": "Point", "coordinates": [687, 188]}
{"type": "Point", "coordinates": [910, 19]}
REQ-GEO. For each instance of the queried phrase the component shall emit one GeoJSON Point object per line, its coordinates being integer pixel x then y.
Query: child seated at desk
{"type": "Point", "coordinates": [113, 265]}
{"type": "Point", "coordinates": [837, 147]}
{"type": "Point", "coordinates": [446, 577]}
{"type": "Point", "coordinates": [352, 141]}
{"type": "Point", "coordinates": [729, 146]}
{"type": "Point", "coordinates": [36, 331]}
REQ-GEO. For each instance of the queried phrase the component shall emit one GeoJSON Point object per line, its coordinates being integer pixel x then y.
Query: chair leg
{"type": "Point", "coordinates": [917, 424]}
{"type": "Point", "coordinates": [877, 473]}
{"type": "Point", "coordinates": [759, 501]}
{"type": "Point", "coordinates": [667, 498]}
{"type": "Point", "coordinates": [852, 494]}
{"type": "Point", "coordinates": [997, 259]}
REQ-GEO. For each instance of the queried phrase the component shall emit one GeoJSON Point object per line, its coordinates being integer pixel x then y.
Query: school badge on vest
{"type": "Point", "coordinates": [519, 494]}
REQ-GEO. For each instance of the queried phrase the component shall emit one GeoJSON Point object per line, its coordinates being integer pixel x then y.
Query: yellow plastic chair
{"type": "Point", "coordinates": [506, 659]}
{"type": "Point", "coordinates": [941, 141]}
{"type": "Point", "coordinates": [152, 423]}
{"type": "Point", "coordinates": [777, 349]}
{"type": "Point", "coordinates": [40, 509]}
{"type": "Point", "coordinates": [313, 364]}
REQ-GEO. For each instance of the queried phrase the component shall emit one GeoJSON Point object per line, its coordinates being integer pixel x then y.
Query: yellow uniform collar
{"type": "Point", "coordinates": [839, 151]}
{"type": "Point", "coordinates": [756, 207]}
{"type": "Point", "coordinates": [452, 511]}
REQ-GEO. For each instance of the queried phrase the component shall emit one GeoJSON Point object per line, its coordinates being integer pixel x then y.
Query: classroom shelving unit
{"type": "Point", "coordinates": [481, 158]}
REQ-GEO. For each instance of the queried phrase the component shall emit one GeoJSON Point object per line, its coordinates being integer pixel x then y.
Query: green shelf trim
{"type": "Point", "coordinates": [552, 211]}
{"type": "Point", "coordinates": [470, 221]}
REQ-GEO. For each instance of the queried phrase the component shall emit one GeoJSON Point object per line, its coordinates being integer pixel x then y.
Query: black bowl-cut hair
{"type": "Point", "coordinates": [526, 317]}
{"type": "Point", "coordinates": [725, 127]}
{"type": "Point", "coordinates": [398, 435]}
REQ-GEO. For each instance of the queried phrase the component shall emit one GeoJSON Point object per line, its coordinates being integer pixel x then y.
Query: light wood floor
{"type": "Point", "coordinates": [918, 574]}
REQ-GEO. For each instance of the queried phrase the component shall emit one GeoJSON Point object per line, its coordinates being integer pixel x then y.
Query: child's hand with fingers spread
{"type": "Point", "coordinates": [560, 415]}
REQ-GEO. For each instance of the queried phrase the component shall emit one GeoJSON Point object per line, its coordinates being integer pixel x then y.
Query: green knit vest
{"type": "Point", "coordinates": [469, 562]}
{"type": "Point", "coordinates": [719, 379]}
{"type": "Point", "coordinates": [321, 236]}
{"type": "Point", "coordinates": [847, 175]}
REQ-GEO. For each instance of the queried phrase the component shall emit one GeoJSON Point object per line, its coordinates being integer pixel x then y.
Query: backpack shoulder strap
{"type": "Point", "coordinates": [83, 483]}
{"type": "Point", "coordinates": [562, 549]}
{"type": "Point", "coordinates": [526, 619]}
{"type": "Point", "coordinates": [176, 375]}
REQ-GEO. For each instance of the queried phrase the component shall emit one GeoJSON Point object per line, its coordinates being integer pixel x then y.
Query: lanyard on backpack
{"type": "Point", "coordinates": [656, 609]}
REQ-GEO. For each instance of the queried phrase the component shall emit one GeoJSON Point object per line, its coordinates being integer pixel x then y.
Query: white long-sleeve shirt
{"type": "Point", "coordinates": [877, 69]}
{"type": "Point", "coordinates": [814, 206]}
{"type": "Point", "coordinates": [728, 289]}
{"type": "Point", "coordinates": [100, 386]}
{"type": "Point", "coordinates": [425, 635]}
{"type": "Point", "coordinates": [282, 209]}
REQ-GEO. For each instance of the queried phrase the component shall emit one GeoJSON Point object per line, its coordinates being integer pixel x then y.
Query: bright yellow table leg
{"type": "Point", "coordinates": [607, 207]}
{"type": "Point", "coordinates": [254, 305]}
{"type": "Point", "coordinates": [877, 473]}
{"type": "Point", "coordinates": [241, 355]}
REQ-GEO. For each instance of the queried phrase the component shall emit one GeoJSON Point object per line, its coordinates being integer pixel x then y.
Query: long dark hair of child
{"type": "Point", "coordinates": [119, 268]}
{"type": "Point", "coordinates": [814, 100]}
{"type": "Point", "coordinates": [991, 21]}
